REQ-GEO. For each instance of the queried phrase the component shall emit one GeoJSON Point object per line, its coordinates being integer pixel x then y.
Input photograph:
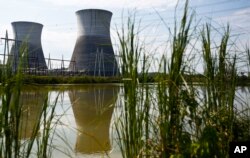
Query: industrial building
{"type": "Point", "coordinates": [93, 53]}
{"type": "Point", "coordinates": [27, 43]}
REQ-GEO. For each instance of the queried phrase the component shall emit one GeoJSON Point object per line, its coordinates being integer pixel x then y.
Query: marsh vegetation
{"type": "Point", "coordinates": [176, 118]}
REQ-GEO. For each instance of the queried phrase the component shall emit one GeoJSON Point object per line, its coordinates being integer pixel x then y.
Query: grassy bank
{"type": "Point", "coordinates": [198, 79]}
{"type": "Point", "coordinates": [68, 80]}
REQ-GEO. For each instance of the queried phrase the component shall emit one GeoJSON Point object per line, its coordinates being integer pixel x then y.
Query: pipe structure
{"type": "Point", "coordinates": [27, 43]}
{"type": "Point", "coordinates": [93, 53]}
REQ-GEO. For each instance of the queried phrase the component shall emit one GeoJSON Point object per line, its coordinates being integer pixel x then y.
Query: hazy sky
{"type": "Point", "coordinates": [59, 20]}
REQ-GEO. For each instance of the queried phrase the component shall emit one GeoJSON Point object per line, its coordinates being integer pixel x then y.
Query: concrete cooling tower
{"type": "Point", "coordinates": [28, 42]}
{"type": "Point", "coordinates": [93, 53]}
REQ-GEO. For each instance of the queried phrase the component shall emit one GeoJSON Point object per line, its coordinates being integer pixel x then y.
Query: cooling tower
{"type": "Point", "coordinates": [93, 53]}
{"type": "Point", "coordinates": [28, 42]}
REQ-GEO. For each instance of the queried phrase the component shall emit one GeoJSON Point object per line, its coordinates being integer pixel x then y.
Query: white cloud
{"type": "Point", "coordinates": [141, 4]}
{"type": "Point", "coordinates": [243, 11]}
{"type": "Point", "coordinates": [238, 19]}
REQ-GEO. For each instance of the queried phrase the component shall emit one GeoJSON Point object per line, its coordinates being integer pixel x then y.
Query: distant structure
{"type": "Point", "coordinates": [27, 42]}
{"type": "Point", "coordinates": [93, 53]}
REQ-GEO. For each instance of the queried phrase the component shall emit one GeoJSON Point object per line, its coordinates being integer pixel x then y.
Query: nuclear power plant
{"type": "Point", "coordinates": [93, 53]}
{"type": "Point", "coordinates": [27, 42]}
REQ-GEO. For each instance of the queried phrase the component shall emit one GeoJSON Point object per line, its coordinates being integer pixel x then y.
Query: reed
{"type": "Point", "coordinates": [12, 120]}
{"type": "Point", "coordinates": [132, 127]}
{"type": "Point", "coordinates": [219, 96]}
{"type": "Point", "coordinates": [174, 118]}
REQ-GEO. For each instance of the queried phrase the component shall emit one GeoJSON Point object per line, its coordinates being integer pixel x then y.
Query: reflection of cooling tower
{"type": "Point", "coordinates": [28, 43]}
{"type": "Point", "coordinates": [93, 53]}
{"type": "Point", "coordinates": [31, 101]}
{"type": "Point", "coordinates": [93, 108]}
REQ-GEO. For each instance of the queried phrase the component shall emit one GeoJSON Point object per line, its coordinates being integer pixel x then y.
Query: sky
{"type": "Point", "coordinates": [156, 16]}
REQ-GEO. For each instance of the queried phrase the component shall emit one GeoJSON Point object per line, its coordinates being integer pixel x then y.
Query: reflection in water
{"type": "Point", "coordinates": [93, 107]}
{"type": "Point", "coordinates": [32, 102]}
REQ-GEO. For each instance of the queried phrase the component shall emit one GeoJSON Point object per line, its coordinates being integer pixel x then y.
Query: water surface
{"type": "Point", "coordinates": [85, 116]}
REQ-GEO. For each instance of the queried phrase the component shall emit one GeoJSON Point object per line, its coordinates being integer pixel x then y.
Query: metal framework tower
{"type": "Point", "coordinates": [93, 53]}
{"type": "Point", "coordinates": [27, 44]}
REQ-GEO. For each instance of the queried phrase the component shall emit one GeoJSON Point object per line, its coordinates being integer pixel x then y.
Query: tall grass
{"type": "Point", "coordinates": [248, 60]}
{"type": "Point", "coordinates": [219, 96]}
{"type": "Point", "coordinates": [174, 118]}
{"type": "Point", "coordinates": [135, 128]}
{"type": "Point", "coordinates": [130, 126]}
{"type": "Point", "coordinates": [12, 119]}
{"type": "Point", "coordinates": [169, 93]}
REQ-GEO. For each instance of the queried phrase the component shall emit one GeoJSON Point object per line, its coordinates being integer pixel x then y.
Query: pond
{"type": "Point", "coordinates": [85, 116]}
